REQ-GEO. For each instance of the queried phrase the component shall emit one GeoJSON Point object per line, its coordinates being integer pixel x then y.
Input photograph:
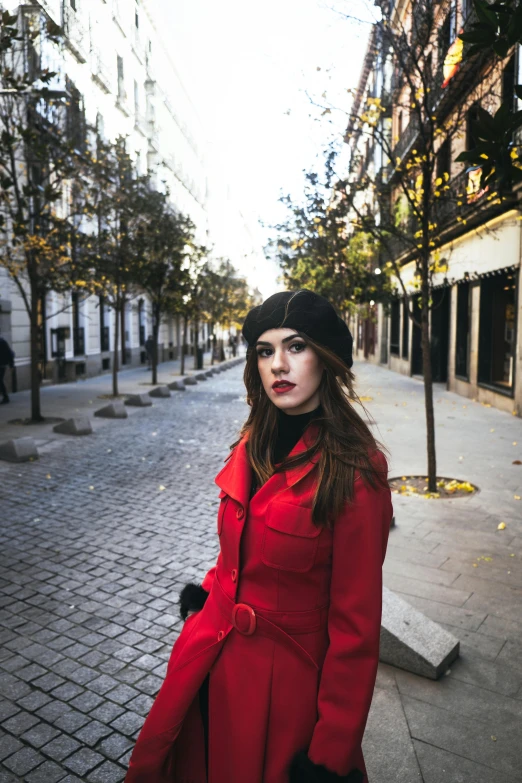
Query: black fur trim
{"type": "Point", "coordinates": [302, 770]}
{"type": "Point", "coordinates": [191, 599]}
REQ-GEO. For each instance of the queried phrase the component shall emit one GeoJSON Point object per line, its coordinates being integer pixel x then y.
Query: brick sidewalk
{"type": "Point", "coordinates": [99, 535]}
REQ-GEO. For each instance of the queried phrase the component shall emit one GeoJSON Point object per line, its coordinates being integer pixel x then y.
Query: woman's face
{"type": "Point", "coordinates": [283, 356]}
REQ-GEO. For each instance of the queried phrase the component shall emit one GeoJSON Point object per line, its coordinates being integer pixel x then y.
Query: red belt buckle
{"type": "Point", "coordinates": [251, 619]}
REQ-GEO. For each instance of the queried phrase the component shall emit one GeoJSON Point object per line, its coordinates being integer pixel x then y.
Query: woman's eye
{"type": "Point", "coordinates": [298, 345]}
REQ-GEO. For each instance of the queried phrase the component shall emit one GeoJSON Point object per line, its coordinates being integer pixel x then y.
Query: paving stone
{"type": "Point", "coordinates": [8, 745]}
{"type": "Point", "coordinates": [128, 723]}
{"type": "Point", "coordinates": [40, 734]}
{"type": "Point", "coordinates": [107, 773]}
{"type": "Point", "coordinates": [61, 747]}
{"type": "Point", "coordinates": [19, 723]}
{"type": "Point", "coordinates": [83, 761]}
{"type": "Point", "coordinates": [48, 772]}
{"type": "Point", "coordinates": [23, 761]}
{"type": "Point", "coordinates": [115, 746]}
{"type": "Point", "coordinates": [92, 733]}
{"type": "Point", "coordinates": [71, 721]}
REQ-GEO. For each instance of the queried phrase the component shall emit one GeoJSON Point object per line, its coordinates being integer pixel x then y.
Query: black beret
{"type": "Point", "coordinates": [305, 311]}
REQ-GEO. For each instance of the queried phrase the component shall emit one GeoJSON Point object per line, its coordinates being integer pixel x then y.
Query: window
{"type": "Point", "coordinates": [136, 19]}
{"type": "Point", "coordinates": [121, 77]}
{"type": "Point", "coordinates": [508, 83]}
{"type": "Point", "coordinates": [395, 327]}
{"type": "Point", "coordinates": [463, 332]}
{"type": "Point", "coordinates": [471, 117]}
{"type": "Point", "coordinates": [444, 158]}
{"type": "Point", "coordinates": [496, 360]}
{"type": "Point", "coordinates": [73, 3]}
{"type": "Point", "coordinates": [136, 98]}
{"type": "Point", "coordinates": [405, 329]}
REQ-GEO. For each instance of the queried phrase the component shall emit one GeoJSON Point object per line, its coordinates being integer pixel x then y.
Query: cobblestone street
{"type": "Point", "coordinates": [100, 534]}
{"type": "Point", "coordinates": [97, 538]}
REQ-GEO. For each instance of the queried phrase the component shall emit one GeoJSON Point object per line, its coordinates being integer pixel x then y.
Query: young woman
{"type": "Point", "coordinates": [272, 676]}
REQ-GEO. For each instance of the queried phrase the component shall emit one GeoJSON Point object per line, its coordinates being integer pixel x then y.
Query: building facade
{"type": "Point", "coordinates": [476, 315]}
{"type": "Point", "coordinates": [116, 68]}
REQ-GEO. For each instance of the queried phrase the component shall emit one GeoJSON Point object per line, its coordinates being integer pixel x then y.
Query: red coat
{"type": "Point", "coordinates": [292, 669]}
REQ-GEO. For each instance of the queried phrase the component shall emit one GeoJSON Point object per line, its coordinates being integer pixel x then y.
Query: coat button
{"type": "Point", "coordinates": [239, 513]}
{"type": "Point", "coordinates": [220, 635]}
{"type": "Point", "coordinates": [234, 574]}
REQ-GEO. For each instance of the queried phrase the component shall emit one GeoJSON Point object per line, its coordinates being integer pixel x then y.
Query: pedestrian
{"type": "Point", "coordinates": [149, 347]}
{"type": "Point", "coordinates": [272, 676]}
{"type": "Point", "coordinates": [6, 360]}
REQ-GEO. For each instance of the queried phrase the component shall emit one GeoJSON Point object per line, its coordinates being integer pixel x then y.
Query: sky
{"type": "Point", "coordinates": [254, 72]}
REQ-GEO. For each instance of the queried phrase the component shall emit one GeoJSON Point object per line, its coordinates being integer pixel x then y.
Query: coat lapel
{"type": "Point", "coordinates": [236, 476]}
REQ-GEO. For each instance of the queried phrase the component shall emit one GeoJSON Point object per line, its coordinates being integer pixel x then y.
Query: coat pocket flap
{"type": "Point", "coordinates": [292, 519]}
{"type": "Point", "coordinates": [222, 493]}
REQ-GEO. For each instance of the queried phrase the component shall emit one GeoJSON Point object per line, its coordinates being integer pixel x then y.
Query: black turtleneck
{"type": "Point", "coordinates": [289, 430]}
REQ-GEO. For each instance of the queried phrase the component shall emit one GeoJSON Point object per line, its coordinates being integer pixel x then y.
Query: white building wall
{"type": "Point", "coordinates": [149, 105]}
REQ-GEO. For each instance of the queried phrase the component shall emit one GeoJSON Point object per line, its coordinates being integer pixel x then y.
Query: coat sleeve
{"type": "Point", "coordinates": [360, 539]}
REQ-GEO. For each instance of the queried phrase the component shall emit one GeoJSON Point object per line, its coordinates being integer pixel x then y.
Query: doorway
{"type": "Point", "coordinates": [416, 338]}
{"type": "Point", "coordinates": [440, 318]}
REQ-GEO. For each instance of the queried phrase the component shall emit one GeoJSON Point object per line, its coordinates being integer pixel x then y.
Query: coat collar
{"type": "Point", "coordinates": [235, 477]}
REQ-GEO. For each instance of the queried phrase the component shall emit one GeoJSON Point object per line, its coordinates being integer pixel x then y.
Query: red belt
{"type": "Point", "coordinates": [248, 620]}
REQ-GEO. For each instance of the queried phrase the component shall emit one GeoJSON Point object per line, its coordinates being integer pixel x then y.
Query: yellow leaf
{"type": "Point", "coordinates": [48, 475]}
{"type": "Point", "coordinates": [517, 497]}
{"type": "Point", "coordinates": [501, 526]}
{"type": "Point", "coordinates": [161, 487]}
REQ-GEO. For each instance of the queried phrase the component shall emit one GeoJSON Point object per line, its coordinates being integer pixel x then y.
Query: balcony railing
{"type": "Point", "coordinates": [100, 71]}
{"type": "Point", "coordinates": [407, 139]}
{"type": "Point", "coordinates": [75, 33]}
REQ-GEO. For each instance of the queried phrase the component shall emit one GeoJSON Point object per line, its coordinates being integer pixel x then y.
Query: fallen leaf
{"type": "Point", "coordinates": [501, 526]}
{"type": "Point", "coordinates": [516, 497]}
{"type": "Point", "coordinates": [48, 475]}
{"type": "Point", "coordinates": [91, 487]}
{"type": "Point", "coordinates": [161, 487]}
{"type": "Point", "coordinates": [517, 462]}
{"type": "Point", "coordinates": [492, 430]}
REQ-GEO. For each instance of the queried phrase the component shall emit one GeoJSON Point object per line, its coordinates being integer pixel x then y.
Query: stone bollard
{"type": "Point", "coordinates": [189, 381]}
{"type": "Point", "coordinates": [18, 450]}
{"type": "Point", "coordinates": [177, 386]}
{"type": "Point", "coordinates": [116, 410]}
{"type": "Point", "coordinates": [78, 426]}
{"type": "Point", "coordinates": [139, 400]}
{"type": "Point", "coordinates": [160, 391]}
{"type": "Point", "coordinates": [411, 641]}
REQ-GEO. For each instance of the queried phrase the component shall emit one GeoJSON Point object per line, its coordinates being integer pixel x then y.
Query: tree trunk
{"type": "Point", "coordinates": [122, 317]}
{"type": "Point", "coordinates": [428, 381]}
{"type": "Point", "coordinates": [155, 334]}
{"type": "Point", "coordinates": [36, 412]}
{"type": "Point", "coordinates": [196, 342]}
{"type": "Point", "coordinates": [116, 351]}
{"type": "Point", "coordinates": [183, 344]}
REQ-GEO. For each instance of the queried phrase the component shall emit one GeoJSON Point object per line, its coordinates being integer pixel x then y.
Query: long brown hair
{"type": "Point", "coordinates": [344, 439]}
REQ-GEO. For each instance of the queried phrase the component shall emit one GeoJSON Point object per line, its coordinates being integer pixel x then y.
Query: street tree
{"type": "Point", "coordinates": [317, 249]}
{"type": "Point", "coordinates": [402, 187]}
{"type": "Point", "coordinates": [114, 212]}
{"type": "Point", "coordinates": [164, 240]}
{"type": "Point", "coordinates": [42, 175]}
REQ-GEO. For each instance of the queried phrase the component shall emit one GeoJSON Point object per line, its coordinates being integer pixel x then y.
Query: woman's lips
{"type": "Point", "coordinates": [284, 388]}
